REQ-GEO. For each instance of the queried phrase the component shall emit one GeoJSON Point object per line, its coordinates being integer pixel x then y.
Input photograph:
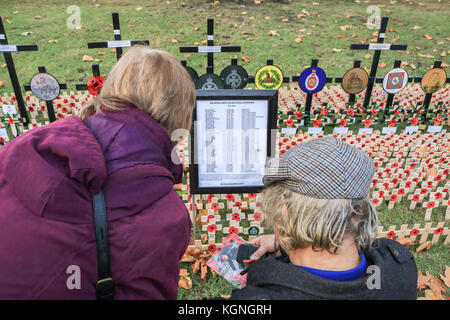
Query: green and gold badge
{"type": "Point", "coordinates": [269, 78]}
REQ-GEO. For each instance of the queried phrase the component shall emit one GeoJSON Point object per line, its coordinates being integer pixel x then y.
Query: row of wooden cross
{"type": "Point", "coordinates": [209, 49]}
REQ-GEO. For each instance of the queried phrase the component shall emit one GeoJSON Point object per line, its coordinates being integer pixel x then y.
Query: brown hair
{"type": "Point", "coordinates": [151, 80]}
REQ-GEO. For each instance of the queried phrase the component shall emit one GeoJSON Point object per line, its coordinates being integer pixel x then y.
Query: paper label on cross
{"type": "Point", "coordinates": [379, 46]}
{"type": "Point", "coordinates": [288, 130]}
{"type": "Point", "coordinates": [434, 129]}
{"type": "Point", "coordinates": [2, 37]}
{"type": "Point", "coordinates": [8, 48]}
{"type": "Point", "coordinates": [389, 130]}
{"type": "Point", "coordinates": [314, 130]}
{"type": "Point", "coordinates": [412, 129]}
{"type": "Point", "coordinates": [3, 133]}
{"type": "Point", "coordinates": [365, 131]}
{"type": "Point", "coordinates": [119, 44]}
{"type": "Point", "coordinates": [9, 108]}
{"type": "Point", "coordinates": [209, 49]}
{"type": "Point", "coordinates": [340, 130]}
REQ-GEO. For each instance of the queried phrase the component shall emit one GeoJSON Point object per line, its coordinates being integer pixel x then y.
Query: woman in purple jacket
{"type": "Point", "coordinates": [120, 143]}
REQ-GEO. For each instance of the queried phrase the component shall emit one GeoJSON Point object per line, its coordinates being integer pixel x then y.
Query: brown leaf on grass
{"type": "Point", "coordinates": [367, 56]}
{"type": "Point", "coordinates": [446, 278]}
{"type": "Point", "coordinates": [426, 55]}
{"type": "Point", "coordinates": [2, 84]}
{"type": "Point", "coordinates": [225, 296]}
{"type": "Point", "coordinates": [444, 64]}
{"type": "Point", "coordinates": [214, 274]}
{"type": "Point", "coordinates": [205, 255]}
{"type": "Point", "coordinates": [435, 284]}
{"type": "Point", "coordinates": [405, 241]}
{"type": "Point", "coordinates": [426, 245]}
{"type": "Point", "coordinates": [422, 281]}
{"type": "Point", "coordinates": [336, 50]}
{"type": "Point", "coordinates": [194, 252]}
{"type": "Point", "coordinates": [87, 58]}
{"type": "Point", "coordinates": [299, 39]}
{"type": "Point", "coordinates": [113, 50]}
{"type": "Point", "coordinates": [341, 36]}
{"type": "Point", "coordinates": [196, 266]}
{"type": "Point", "coordinates": [184, 273]}
{"type": "Point", "coordinates": [343, 28]}
{"type": "Point", "coordinates": [246, 59]}
{"type": "Point", "coordinates": [204, 270]}
{"type": "Point", "coordinates": [185, 283]}
{"type": "Point", "coordinates": [173, 40]}
{"type": "Point", "coordinates": [273, 33]}
{"type": "Point", "coordinates": [443, 54]}
{"type": "Point", "coordinates": [187, 258]}
{"type": "Point", "coordinates": [204, 237]}
{"type": "Point", "coordinates": [426, 35]}
{"type": "Point", "coordinates": [433, 295]}
{"type": "Point", "coordinates": [285, 20]}
{"type": "Point", "coordinates": [382, 64]}
{"type": "Point", "coordinates": [404, 64]}
{"type": "Point", "coordinates": [177, 186]}
{"type": "Point", "coordinates": [101, 53]}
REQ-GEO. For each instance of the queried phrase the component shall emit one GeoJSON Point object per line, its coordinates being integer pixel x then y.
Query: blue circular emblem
{"type": "Point", "coordinates": [312, 80]}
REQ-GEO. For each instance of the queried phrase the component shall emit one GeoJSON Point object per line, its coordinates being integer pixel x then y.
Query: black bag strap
{"type": "Point", "coordinates": [105, 284]}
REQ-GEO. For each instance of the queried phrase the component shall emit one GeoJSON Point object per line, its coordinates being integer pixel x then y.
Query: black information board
{"type": "Point", "coordinates": [232, 138]}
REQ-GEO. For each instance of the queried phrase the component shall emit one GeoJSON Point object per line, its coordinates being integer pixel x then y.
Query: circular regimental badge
{"type": "Point", "coordinates": [253, 231]}
{"type": "Point", "coordinates": [45, 86]}
{"type": "Point", "coordinates": [209, 81]}
{"type": "Point", "coordinates": [269, 78]}
{"type": "Point", "coordinates": [433, 80]}
{"type": "Point", "coordinates": [355, 80]}
{"type": "Point", "coordinates": [234, 77]}
{"type": "Point", "coordinates": [312, 80]}
{"type": "Point", "coordinates": [395, 80]}
{"type": "Point", "coordinates": [192, 73]}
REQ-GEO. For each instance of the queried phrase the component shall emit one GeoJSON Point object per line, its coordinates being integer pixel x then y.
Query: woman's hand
{"type": "Point", "coordinates": [266, 243]}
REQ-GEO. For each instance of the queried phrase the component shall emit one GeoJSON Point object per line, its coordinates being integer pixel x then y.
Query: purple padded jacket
{"type": "Point", "coordinates": [47, 179]}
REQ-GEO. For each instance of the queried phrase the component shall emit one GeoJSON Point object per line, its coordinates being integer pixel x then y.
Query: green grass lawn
{"type": "Point", "coordinates": [327, 28]}
{"type": "Point", "coordinates": [171, 24]}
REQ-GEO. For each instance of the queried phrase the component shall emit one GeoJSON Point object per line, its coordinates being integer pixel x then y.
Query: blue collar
{"type": "Point", "coordinates": [346, 275]}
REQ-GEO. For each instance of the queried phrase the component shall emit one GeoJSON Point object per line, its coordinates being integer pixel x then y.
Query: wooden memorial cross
{"type": "Point", "coordinates": [118, 43]}
{"type": "Point", "coordinates": [49, 104]}
{"type": "Point", "coordinates": [390, 97]}
{"type": "Point", "coordinates": [309, 96]}
{"type": "Point", "coordinates": [377, 47]}
{"type": "Point", "coordinates": [428, 96]}
{"type": "Point", "coordinates": [95, 73]}
{"type": "Point", "coordinates": [210, 48]}
{"type": "Point", "coordinates": [351, 97]}
{"type": "Point", "coordinates": [7, 49]}
{"type": "Point", "coordinates": [269, 62]}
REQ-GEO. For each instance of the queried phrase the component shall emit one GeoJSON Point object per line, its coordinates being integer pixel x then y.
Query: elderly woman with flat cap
{"type": "Point", "coordinates": [325, 225]}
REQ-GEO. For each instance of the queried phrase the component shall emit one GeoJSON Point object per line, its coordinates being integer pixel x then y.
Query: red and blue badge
{"type": "Point", "coordinates": [312, 80]}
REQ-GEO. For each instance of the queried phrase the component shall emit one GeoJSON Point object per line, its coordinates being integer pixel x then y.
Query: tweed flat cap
{"type": "Point", "coordinates": [324, 168]}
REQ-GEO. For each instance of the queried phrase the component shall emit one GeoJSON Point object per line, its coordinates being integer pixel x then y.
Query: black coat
{"type": "Point", "coordinates": [275, 279]}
